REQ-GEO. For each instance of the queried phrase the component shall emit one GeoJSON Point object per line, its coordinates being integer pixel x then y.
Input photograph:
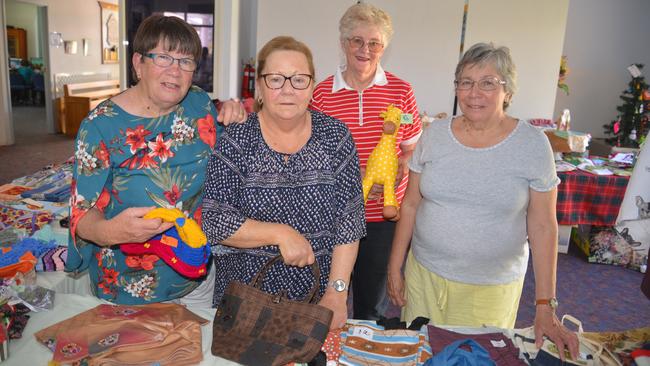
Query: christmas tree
{"type": "Point", "coordinates": [631, 126]}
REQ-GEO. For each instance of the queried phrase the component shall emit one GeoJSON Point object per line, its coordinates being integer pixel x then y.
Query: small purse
{"type": "Point", "coordinates": [253, 327]}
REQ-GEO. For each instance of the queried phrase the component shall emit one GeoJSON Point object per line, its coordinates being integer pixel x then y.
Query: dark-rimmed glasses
{"type": "Point", "coordinates": [165, 60]}
{"type": "Point", "coordinates": [486, 84]}
{"type": "Point", "coordinates": [373, 45]}
{"type": "Point", "coordinates": [297, 81]}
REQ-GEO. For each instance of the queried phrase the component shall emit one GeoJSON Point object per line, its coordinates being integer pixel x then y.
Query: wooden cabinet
{"type": "Point", "coordinates": [17, 42]}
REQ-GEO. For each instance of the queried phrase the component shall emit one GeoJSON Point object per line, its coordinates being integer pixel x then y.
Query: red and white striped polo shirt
{"type": "Point", "coordinates": [360, 112]}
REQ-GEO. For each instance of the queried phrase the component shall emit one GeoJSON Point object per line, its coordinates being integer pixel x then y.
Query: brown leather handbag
{"type": "Point", "coordinates": [253, 327]}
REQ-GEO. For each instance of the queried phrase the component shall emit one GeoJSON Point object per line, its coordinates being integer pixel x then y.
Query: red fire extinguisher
{"type": "Point", "coordinates": [248, 81]}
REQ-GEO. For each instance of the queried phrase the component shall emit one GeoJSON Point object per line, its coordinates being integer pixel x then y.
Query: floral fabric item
{"type": "Point", "coordinates": [123, 161]}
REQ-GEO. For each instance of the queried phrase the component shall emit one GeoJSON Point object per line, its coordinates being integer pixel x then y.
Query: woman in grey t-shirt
{"type": "Point", "coordinates": [482, 187]}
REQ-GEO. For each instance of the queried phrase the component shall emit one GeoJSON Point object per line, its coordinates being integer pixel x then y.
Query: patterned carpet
{"type": "Point", "coordinates": [603, 297]}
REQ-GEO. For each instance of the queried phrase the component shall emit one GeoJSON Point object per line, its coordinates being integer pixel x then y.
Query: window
{"type": "Point", "coordinates": [198, 13]}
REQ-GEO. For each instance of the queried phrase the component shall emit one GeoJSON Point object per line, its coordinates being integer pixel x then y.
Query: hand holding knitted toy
{"type": "Point", "coordinates": [183, 247]}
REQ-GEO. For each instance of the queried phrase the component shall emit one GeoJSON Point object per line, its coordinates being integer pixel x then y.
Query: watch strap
{"type": "Point", "coordinates": [552, 302]}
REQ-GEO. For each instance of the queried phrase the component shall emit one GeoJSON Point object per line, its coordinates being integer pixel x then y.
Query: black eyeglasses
{"type": "Point", "coordinates": [486, 84]}
{"type": "Point", "coordinates": [297, 81]}
{"type": "Point", "coordinates": [165, 60]}
{"type": "Point", "coordinates": [373, 45]}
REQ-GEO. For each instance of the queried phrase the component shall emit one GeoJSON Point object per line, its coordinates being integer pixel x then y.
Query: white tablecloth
{"type": "Point", "coordinates": [27, 351]}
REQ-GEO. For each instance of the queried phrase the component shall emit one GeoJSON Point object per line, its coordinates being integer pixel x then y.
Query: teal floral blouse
{"type": "Point", "coordinates": [123, 161]}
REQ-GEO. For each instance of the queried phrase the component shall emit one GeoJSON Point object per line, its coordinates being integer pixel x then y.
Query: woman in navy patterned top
{"type": "Point", "coordinates": [287, 181]}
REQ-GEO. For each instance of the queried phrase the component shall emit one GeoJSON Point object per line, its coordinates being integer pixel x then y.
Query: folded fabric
{"type": "Point", "coordinates": [366, 343]}
{"type": "Point", "coordinates": [12, 191]}
{"type": "Point", "coordinates": [23, 219]}
{"type": "Point", "coordinates": [22, 256]}
{"type": "Point", "coordinates": [22, 264]}
{"type": "Point", "coordinates": [183, 247]}
{"type": "Point", "coordinates": [53, 192]}
{"type": "Point", "coordinates": [35, 246]}
{"type": "Point", "coordinates": [499, 346]}
{"type": "Point", "coordinates": [455, 355]}
{"type": "Point", "coordinates": [53, 260]}
{"type": "Point", "coordinates": [165, 334]}
{"type": "Point", "coordinates": [48, 233]}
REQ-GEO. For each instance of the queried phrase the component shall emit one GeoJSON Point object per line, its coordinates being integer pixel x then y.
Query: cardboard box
{"type": "Point", "coordinates": [580, 237]}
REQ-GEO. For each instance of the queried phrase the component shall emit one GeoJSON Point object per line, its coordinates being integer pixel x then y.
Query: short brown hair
{"type": "Point", "coordinates": [283, 43]}
{"type": "Point", "coordinates": [173, 33]}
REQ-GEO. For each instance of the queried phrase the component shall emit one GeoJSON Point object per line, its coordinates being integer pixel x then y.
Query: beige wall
{"type": "Point", "coordinates": [75, 20]}
{"type": "Point", "coordinates": [534, 32]}
{"type": "Point", "coordinates": [602, 39]}
{"type": "Point", "coordinates": [424, 49]}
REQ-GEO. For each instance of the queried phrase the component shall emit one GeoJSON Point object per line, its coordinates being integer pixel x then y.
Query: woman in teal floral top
{"type": "Point", "coordinates": [146, 147]}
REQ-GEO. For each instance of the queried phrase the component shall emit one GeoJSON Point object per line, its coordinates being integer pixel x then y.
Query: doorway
{"type": "Point", "coordinates": [29, 76]}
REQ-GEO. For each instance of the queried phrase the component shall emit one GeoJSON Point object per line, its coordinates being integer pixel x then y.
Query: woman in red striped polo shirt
{"type": "Point", "coordinates": [356, 94]}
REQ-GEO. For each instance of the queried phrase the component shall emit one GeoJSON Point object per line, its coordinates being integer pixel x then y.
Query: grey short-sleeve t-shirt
{"type": "Point", "coordinates": [471, 223]}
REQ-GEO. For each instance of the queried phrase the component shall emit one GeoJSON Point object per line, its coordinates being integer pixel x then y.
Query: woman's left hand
{"type": "Point", "coordinates": [231, 111]}
{"type": "Point", "coordinates": [338, 303]}
{"type": "Point", "coordinates": [547, 324]}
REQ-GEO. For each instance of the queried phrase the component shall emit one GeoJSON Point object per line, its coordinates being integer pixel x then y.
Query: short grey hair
{"type": "Point", "coordinates": [487, 53]}
{"type": "Point", "coordinates": [365, 14]}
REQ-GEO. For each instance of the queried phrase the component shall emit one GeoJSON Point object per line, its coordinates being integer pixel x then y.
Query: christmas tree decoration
{"type": "Point", "coordinates": [631, 125]}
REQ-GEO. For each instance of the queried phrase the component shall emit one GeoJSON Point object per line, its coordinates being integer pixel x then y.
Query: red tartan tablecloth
{"type": "Point", "coordinates": [589, 199]}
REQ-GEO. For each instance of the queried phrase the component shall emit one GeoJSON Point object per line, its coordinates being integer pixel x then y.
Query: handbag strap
{"type": "Point", "coordinates": [310, 298]}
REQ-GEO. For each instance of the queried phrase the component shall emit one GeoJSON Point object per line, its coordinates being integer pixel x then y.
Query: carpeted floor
{"type": "Point", "coordinates": [34, 148]}
{"type": "Point", "coordinates": [605, 298]}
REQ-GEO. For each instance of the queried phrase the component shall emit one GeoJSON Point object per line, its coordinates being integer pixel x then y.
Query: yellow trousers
{"type": "Point", "coordinates": [447, 302]}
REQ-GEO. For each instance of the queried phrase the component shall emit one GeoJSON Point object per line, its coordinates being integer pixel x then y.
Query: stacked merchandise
{"type": "Point", "coordinates": [33, 211]}
{"type": "Point", "coordinates": [362, 342]}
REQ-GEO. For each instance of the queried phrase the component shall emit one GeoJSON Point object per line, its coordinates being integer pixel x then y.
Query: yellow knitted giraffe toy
{"type": "Point", "coordinates": [382, 163]}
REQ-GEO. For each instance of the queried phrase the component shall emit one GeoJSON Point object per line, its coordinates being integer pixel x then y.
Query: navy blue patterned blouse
{"type": "Point", "coordinates": [317, 191]}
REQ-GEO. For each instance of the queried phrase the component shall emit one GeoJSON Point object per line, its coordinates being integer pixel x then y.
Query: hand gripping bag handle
{"type": "Point", "coordinates": [310, 298]}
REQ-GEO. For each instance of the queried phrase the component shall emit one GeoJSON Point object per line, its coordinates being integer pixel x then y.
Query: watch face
{"type": "Point", "coordinates": [339, 285]}
{"type": "Point", "coordinates": [553, 303]}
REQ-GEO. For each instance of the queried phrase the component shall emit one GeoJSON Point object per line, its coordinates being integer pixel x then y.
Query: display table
{"type": "Point", "coordinates": [27, 351]}
{"type": "Point", "coordinates": [588, 199]}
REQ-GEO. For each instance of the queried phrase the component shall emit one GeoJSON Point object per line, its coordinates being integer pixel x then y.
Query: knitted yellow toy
{"type": "Point", "coordinates": [382, 163]}
{"type": "Point", "coordinates": [183, 247]}
{"type": "Point", "coordinates": [188, 230]}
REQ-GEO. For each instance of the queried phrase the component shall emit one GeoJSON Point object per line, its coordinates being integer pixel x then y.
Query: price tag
{"type": "Point", "coordinates": [363, 332]}
{"type": "Point", "coordinates": [406, 119]}
{"type": "Point", "coordinates": [498, 344]}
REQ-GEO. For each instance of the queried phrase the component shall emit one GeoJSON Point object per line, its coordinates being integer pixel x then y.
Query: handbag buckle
{"type": "Point", "coordinates": [278, 297]}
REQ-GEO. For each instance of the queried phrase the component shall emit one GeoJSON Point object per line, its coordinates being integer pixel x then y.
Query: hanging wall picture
{"type": "Point", "coordinates": [110, 32]}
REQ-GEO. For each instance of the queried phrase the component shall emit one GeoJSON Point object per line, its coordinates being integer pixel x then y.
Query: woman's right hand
{"type": "Point", "coordinates": [232, 111]}
{"type": "Point", "coordinates": [295, 249]}
{"type": "Point", "coordinates": [130, 226]}
{"type": "Point", "coordinates": [395, 288]}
